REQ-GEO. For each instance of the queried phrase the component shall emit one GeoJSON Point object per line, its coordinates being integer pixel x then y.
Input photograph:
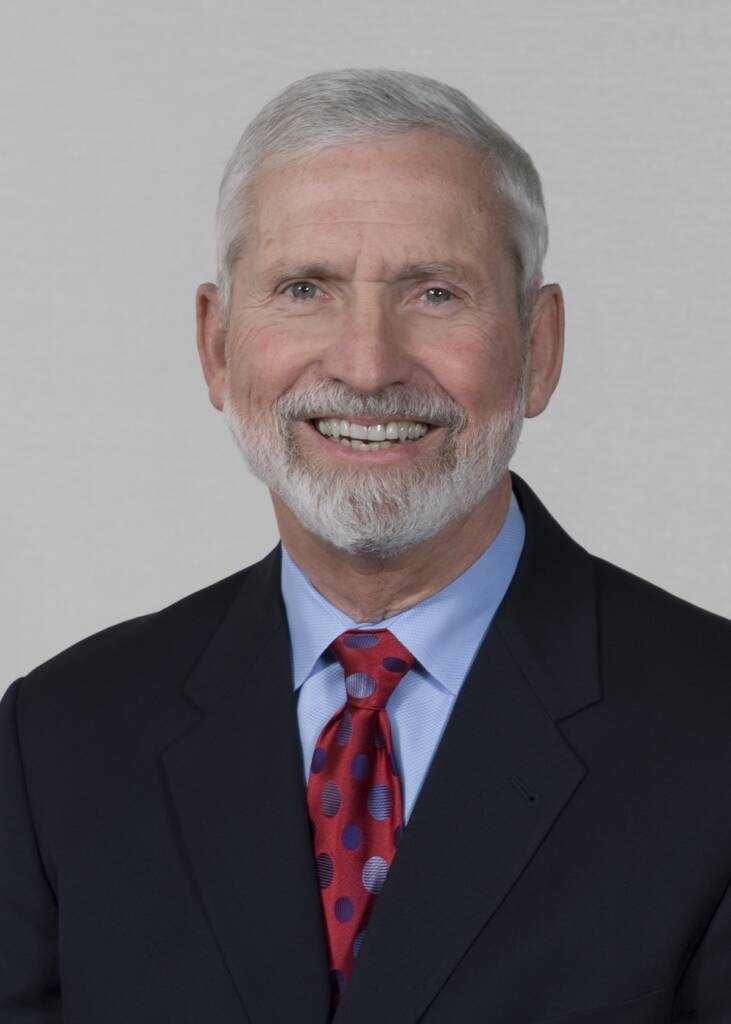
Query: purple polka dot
{"type": "Point", "coordinates": [360, 766]}
{"type": "Point", "coordinates": [318, 759]}
{"type": "Point", "coordinates": [337, 982]}
{"type": "Point", "coordinates": [379, 802]}
{"type": "Point", "coordinates": [345, 729]}
{"type": "Point", "coordinates": [396, 664]}
{"type": "Point", "coordinates": [358, 942]}
{"type": "Point", "coordinates": [325, 869]}
{"type": "Point", "coordinates": [344, 909]}
{"type": "Point", "coordinates": [352, 837]}
{"type": "Point", "coordinates": [361, 640]}
{"type": "Point", "coordinates": [330, 799]}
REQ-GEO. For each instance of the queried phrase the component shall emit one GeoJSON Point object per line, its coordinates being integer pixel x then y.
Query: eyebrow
{"type": "Point", "coordinates": [282, 269]}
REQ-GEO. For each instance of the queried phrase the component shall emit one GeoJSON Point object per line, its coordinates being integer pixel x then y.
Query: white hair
{"type": "Point", "coordinates": [379, 512]}
{"type": "Point", "coordinates": [333, 108]}
{"type": "Point", "coordinates": [372, 512]}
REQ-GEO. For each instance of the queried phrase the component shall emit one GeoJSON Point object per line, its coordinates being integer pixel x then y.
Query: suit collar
{"type": "Point", "coordinates": [547, 618]}
{"type": "Point", "coordinates": [549, 615]}
{"type": "Point", "coordinates": [255, 619]}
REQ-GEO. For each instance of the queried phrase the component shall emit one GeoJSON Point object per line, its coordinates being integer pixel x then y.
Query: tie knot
{"type": "Point", "coordinates": [374, 662]}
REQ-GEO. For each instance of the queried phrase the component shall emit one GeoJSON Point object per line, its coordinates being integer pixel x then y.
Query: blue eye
{"type": "Point", "coordinates": [301, 289]}
{"type": "Point", "coordinates": [438, 295]}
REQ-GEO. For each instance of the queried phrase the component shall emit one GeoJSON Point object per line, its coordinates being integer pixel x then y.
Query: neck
{"type": "Point", "coordinates": [370, 589]}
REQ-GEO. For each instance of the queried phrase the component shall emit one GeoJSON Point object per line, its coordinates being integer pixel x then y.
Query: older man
{"type": "Point", "coordinates": [429, 760]}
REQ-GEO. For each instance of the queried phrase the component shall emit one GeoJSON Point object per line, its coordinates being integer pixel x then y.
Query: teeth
{"type": "Point", "coordinates": [370, 446]}
{"type": "Point", "coordinates": [379, 435]}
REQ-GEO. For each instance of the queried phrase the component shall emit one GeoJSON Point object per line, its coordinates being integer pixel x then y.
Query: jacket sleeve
{"type": "Point", "coordinates": [704, 992]}
{"type": "Point", "coordinates": [29, 973]}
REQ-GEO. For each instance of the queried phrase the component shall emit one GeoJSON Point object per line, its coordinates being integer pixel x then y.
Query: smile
{"type": "Point", "coordinates": [371, 437]}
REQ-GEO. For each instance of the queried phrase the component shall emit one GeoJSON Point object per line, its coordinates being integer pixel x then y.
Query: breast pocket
{"type": "Point", "coordinates": [647, 1009]}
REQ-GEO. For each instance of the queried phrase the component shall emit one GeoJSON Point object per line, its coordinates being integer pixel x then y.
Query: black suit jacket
{"type": "Point", "coordinates": [567, 859]}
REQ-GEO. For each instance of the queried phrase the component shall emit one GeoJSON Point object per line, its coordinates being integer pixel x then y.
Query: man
{"type": "Point", "coordinates": [429, 760]}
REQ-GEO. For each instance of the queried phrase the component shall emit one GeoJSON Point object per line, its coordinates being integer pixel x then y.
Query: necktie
{"type": "Point", "coordinates": [354, 794]}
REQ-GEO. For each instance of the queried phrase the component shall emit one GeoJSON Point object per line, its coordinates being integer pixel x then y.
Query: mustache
{"type": "Point", "coordinates": [393, 402]}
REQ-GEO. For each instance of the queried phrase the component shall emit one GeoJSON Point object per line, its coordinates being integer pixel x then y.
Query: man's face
{"type": "Point", "coordinates": [376, 286]}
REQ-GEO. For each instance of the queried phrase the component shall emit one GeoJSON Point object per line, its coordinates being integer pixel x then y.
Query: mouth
{"type": "Point", "coordinates": [373, 435]}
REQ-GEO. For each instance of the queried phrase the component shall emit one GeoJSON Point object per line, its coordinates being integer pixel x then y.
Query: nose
{"type": "Point", "coordinates": [367, 352]}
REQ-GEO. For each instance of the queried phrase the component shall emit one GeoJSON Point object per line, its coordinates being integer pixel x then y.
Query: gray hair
{"type": "Point", "coordinates": [357, 104]}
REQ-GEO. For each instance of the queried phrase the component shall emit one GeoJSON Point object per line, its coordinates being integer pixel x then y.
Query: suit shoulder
{"type": "Point", "coordinates": [650, 623]}
{"type": "Point", "coordinates": [151, 647]}
{"type": "Point", "coordinates": [645, 596]}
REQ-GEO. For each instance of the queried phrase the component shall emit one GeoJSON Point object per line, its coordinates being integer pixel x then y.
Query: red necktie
{"type": "Point", "coordinates": [354, 794]}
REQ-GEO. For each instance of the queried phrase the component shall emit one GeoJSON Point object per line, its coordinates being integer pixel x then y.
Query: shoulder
{"type": "Point", "coordinates": [137, 660]}
{"type": "Point", "coordinates": [637, 600]}
{"type": "Point", "coordinates": [648, 632]}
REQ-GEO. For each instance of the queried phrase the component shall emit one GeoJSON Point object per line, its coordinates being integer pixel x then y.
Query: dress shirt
{"type": "Point", "coordinates": [443, 632]}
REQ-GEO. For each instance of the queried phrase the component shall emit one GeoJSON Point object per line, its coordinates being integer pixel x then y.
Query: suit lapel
{"type": "Point", "coordinates": [501, 776]}
{"type": "Point", "coordinates": [237, 787]}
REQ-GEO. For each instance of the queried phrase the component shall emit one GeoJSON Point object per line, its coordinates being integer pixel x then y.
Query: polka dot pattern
{"type": "Point", "coordinates": [360, 766]}
{"type": "Point", "coordinates": [380, 801]}
{"type": "Point", "coordinates": [352, 837]}
{"type": "Point", "coordinates": [330, 799]}
{"type": "Point", "coordinates": [360, 640]}
{"type": "Point", "coordinates": [325, 869]}
{"type": "Point", "coordinates": [354, 794]}
{"type": "Point", "coordinates": [396, 665]}
{"type": "Point", "coordinates": [345, 729]}
{"type": "Point", "coordinates": [360, 685]}
{"type": "Point", "coordinates": [374, 873]}
{"type": "Point", "coordinates": [344, 908]}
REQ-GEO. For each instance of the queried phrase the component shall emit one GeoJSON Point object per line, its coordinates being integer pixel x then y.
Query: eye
{"type": "Point", "coordinates": [301, 290]}
{"type": "Point", "coordinates": [438, 296]}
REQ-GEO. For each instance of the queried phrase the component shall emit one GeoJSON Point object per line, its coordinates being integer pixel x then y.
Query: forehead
{"type": "Point", "coordinates": [421, 196]}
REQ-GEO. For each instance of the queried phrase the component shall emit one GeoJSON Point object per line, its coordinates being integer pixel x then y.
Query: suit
{"type": "Point", "coordinates": [567, 859]}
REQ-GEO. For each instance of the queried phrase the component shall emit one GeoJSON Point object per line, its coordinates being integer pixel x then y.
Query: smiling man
{"type": "Point", "coordinates": [429, 760]}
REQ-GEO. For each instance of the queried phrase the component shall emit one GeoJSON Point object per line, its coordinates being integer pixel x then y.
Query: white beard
{"type": "Point", "coordinates": [368, 510]}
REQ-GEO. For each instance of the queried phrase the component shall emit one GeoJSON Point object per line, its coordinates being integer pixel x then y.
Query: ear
{"type": "Point", "coordinates": [211, 339]}
{"type": "Point", "coordinates": [545, 348]}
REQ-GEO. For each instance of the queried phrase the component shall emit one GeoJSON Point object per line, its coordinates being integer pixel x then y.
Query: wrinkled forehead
{"type": "Point", "coordinates": [424, 197]}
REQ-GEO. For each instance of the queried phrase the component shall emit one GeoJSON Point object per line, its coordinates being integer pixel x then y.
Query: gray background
{"type": "Point", "coordinates": [123, 489]}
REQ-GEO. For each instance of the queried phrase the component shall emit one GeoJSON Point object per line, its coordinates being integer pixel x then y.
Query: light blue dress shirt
{"type": "Point", "coordinates": [443, 632]}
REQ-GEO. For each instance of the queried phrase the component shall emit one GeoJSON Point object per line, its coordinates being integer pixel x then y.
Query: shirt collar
{"type": "Point", "coordinates": [443, 632]}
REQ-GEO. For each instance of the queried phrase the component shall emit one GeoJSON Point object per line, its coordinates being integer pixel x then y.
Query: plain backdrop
{"type": "Point", "coordinates": [122, 489]}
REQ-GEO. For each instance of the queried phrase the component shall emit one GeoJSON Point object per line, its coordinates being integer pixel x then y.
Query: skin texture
{"type": "Point", "coordinates": [356, 222]}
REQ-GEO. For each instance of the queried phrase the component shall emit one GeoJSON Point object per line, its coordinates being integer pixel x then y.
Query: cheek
{"type": "Point", "coordinates": [479, 369]}
{"type": "Point", "coordinates": [264, 363]}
